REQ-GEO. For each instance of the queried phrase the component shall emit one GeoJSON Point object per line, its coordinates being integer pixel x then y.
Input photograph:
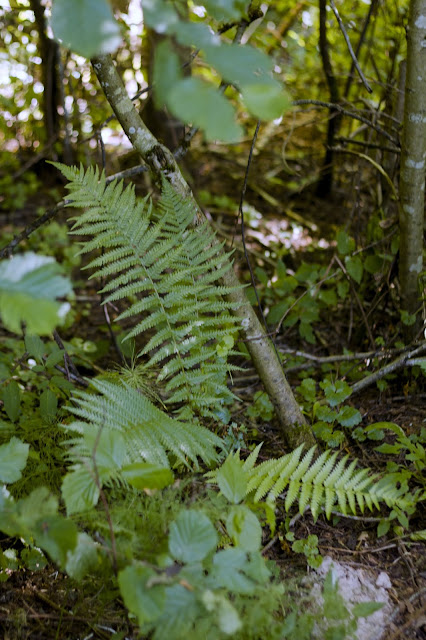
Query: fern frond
{"type": "Point", "coordinates": [148, 433]}
{"type": "Point", "coordinates": [173, 271]}
{"type": "Point", "coordinates": [320, 484]}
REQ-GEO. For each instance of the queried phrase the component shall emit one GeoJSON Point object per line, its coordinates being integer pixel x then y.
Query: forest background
{"type": "Point", "coordinates": [280, 146]}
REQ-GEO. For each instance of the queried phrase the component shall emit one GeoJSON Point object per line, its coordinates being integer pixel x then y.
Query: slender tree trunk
{"type": "Point", "coordinates": [413, 159]}
{"type": "Point", "coordinates": [326, 181]}
{"type": "Point", "coordinates": [49, 52]}
{"type": "Point", "coordinates": [161, 162]}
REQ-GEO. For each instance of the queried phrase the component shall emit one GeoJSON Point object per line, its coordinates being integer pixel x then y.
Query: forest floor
{"type": "Point", "coordinates": [285, 219]}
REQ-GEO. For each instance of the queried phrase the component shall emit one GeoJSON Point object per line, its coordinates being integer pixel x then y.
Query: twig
{"type": "Point", "coordinates": [351, 51]}
{"type": "Point", "coordinates": [350, 114]}
{"type": "Point", "coordinates": [389, 368]}
{"type": "Point", "coordinates": [7, 251]}
{"type": "Point", "coordinates": [369, 145]}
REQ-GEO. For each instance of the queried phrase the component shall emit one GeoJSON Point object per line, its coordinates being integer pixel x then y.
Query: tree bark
{"type": "Point", "coordinates": [49, 51]}
{"type": "Point", "coordinates": [326, 181]}
{"type": "Point", "coordinates": [413, 158]}
{"type": "Point", "coordinates": [161, 162]}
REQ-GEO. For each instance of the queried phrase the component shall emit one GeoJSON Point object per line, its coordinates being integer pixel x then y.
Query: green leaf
{"type": "Point", "coordinates": [244, 528]}
{"type": "Point", "coordinates": [349, 417]}
{"type": "Point", "coordinates": [146, 602]}
{"type": "Point", "coordinates": [79, 490]}
{"type": "Point", "coordinates": [12, 400]}
{"type": "Point", "coordinates": [382, 528]}
{"type": "Point", "coordinates": [167, 71]}
{"type": "Point", "coordinates": [29, 282]}
{"type": "Point", "coordinates": [180, 610]}
{"type": "Point", "coordinates": [35, 347]}
{"type": "Point", "coordinates": [240, 65]}
{"type": "Point", "coordinates": [231, 478]}
{"type": "Point", "coordinates": [13, 458]}
{"type": "Point", "coordinates": [225, 9]}
{"type": "Point", "coordinates": [373, 264]}
{"type": "Point", "coordinates": [228, 571]}
{"type": "Point", "coordinates": [419, 535]}
{"type": "Point", "coordinates": [265, 101]}
{"type": "Point", "coordinates": [192, 537]}
{"type": "Point", "coordinates": [228, 619]}
{"type": "Point", "coordinates": [57, 536]}
{"type": "Point", "coordinates": [83, 559]}
{"type": "Point", "coordinates": [194, 101]}
{"type": "Point", "coordinates": [87, 27]}
{"type": "Point", "coordinates": [354, 267]}
{"type": "Point", "coordinates": [345, 244]}
{"type": "Point", "coordinates": [365, 609]}
{"type": "Point", "coordinates": [144, 475]}
{"type": "Point", "coordinates": [48, 405]}
{"type": "Point", "coordinates": [308, 389]}
{"type": "Point", "coordinates": [159, 15]}
{"type": "Point", "coordinates": [336, 392]}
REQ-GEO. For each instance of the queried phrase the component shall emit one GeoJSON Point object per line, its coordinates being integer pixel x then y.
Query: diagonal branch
{"type": "Point", "coordinates": [162, 164]}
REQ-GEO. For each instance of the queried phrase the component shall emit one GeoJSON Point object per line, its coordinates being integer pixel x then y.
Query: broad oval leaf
{"type": "Point", "coordinates": [29, 282]}
{"type": "Point", "coordinates": [147, 602]}
{"type": "Point", "coordinates": [244, 528]}
{"type": "Point", "coordinates": [13, 458]}
{"type": "Point", "coordinates": [87, 27]}
{"type": "Point", "coordinates": [265, 101]}
{"type": "Point", "coordinates": [144, 475]}
{"type": "Point", "coordinates": [192, 537]}
{"type": "Point", "coordinates": [231, 479]}
{"type": "Point", "coordinates": [199, 103]}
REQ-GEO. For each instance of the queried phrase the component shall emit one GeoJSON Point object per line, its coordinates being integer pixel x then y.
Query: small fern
{"type": "Point", "coordinates": [155, 257]}
{"type": "Point", "coordinates": [148, 433]}
{"type": "Point", "coordinates": [321, 483]}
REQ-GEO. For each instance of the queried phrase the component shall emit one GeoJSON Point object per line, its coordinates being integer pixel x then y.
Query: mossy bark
{"type": "Point", "coordinates": [161, 162]}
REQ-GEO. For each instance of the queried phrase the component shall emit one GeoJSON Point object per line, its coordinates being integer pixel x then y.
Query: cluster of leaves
{"type": "Point", "coordinates": [90, 28]}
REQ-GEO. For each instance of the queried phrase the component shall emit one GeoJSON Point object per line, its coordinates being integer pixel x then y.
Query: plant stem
{"type": "Point", "coordinates": [161, 162]}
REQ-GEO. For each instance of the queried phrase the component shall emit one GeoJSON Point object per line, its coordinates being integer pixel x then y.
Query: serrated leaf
{"type": "Point", "coordinates": [354, 267]}
{"type": "Point", "coordinates": [87, 27]}
{"type": "Point", "coordinates": [192, 537]}
{"type": "Point", "coordinates": [231, 479]}
{"type": "Point", "coordinates": [29, 282]}
{"type": "Point", "coordinates": [345, 244]}
{"type": "Point", "coordinates": [35, 347]}
{"type": "Point", "coordinates": [48, 405]}
{"type": "Point", "coordinates": [57, 536]}
{"type": "Point", "coordinates": [244, 528]}
{"type": "Point", "coordinates": [228, 619]}
{"type": "Point", "coordinates": [365, 609]}
{"type": "Point", "coordinates": [12, 400]}
{"type": "Point", "coordinates": [194, 101]}
{"type": "Point", "coordinates": [349, 417]}
{"type": "Point", "coordinates": [228, 570]}
{"type": "Point", "coordinates": [147, 603]}
{"type": "Point", "coordinates": [83, 559]}
{"type": "Point", "coordinates": [144, 475]}
{"type": "Point", "coordinates": [79, 490]}
{"type": "Point", "coordinates": [13, 458]}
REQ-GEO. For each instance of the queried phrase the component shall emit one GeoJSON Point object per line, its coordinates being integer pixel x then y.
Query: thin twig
{"type": "Point", "coordinates": [350, 114]}
{"type": "Point", "coordinates": [398, 363]}
{"type": "Point", "coordinates": [351, 51]}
